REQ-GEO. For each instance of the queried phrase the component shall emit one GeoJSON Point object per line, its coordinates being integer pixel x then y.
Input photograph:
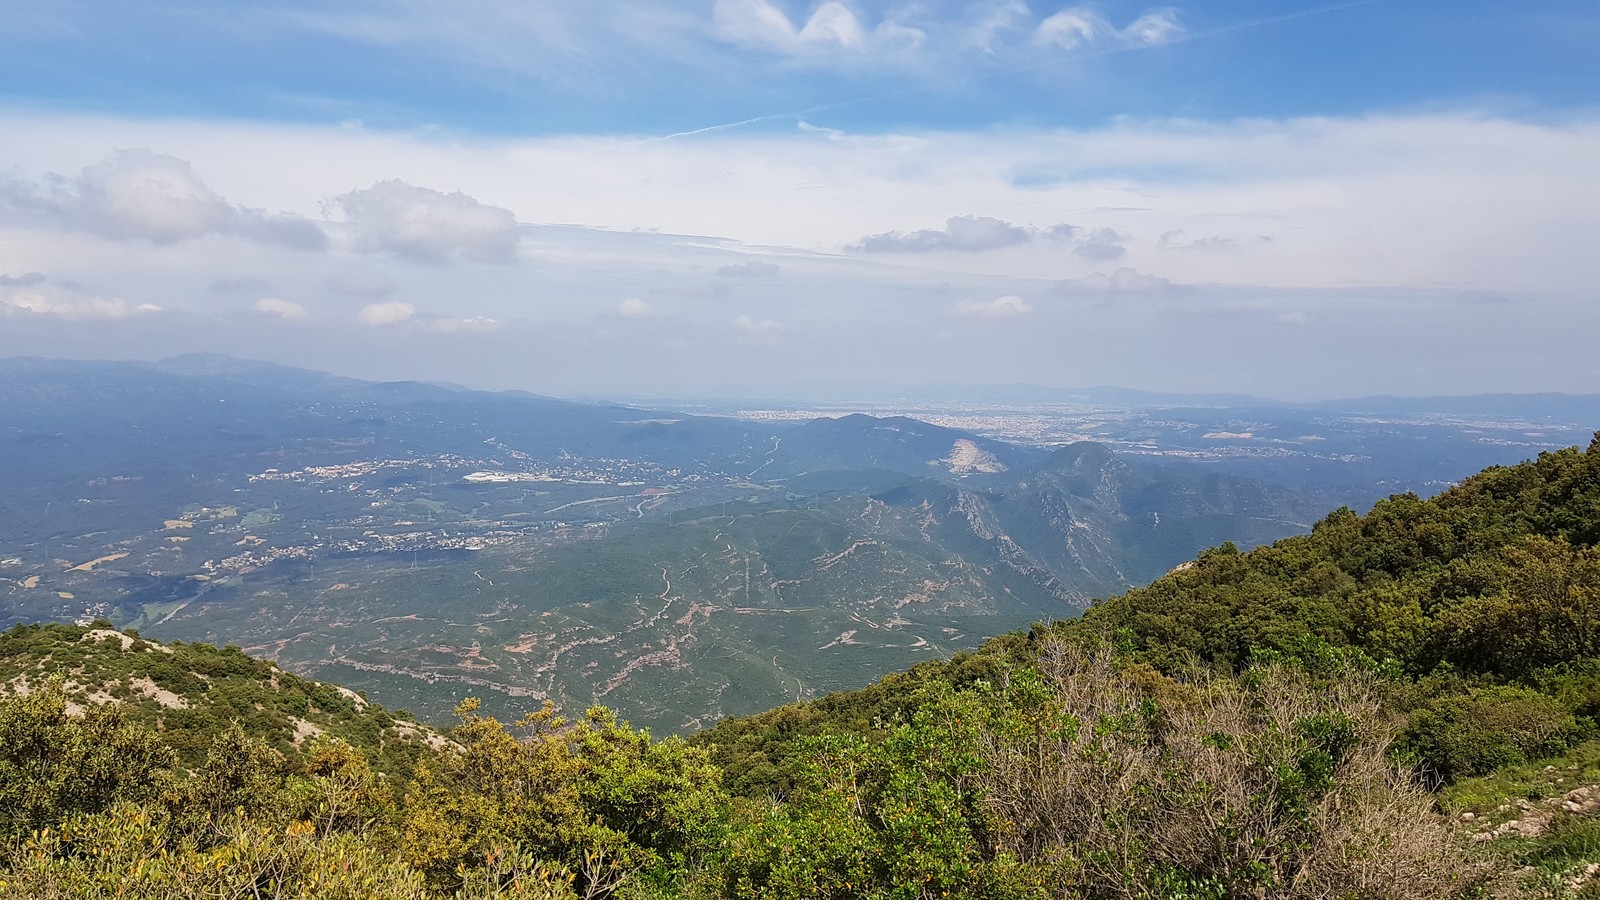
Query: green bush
{"type": "Point", "coordinates": [1463, 736]}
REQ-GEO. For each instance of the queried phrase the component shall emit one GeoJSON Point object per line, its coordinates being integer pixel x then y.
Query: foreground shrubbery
{"type": "Point", "coordinates": [1088, 776]}
{"type": "Point", "coordinates": [1081, 774]}
{"type": "Point", "coordinates": [590, 809]}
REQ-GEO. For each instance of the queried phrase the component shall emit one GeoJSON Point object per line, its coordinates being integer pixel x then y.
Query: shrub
{"type": "Point", "coordinates": [1462, 736]}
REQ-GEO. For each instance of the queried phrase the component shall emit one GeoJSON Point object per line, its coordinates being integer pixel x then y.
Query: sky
{"type": "Point", "coordinates": [730, 197]}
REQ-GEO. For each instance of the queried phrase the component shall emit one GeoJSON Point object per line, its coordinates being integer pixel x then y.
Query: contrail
{"type": "Point", "coordinates": [792, 114]}
{"type": "Point", "coordinates": [710, 128]}
{"type": "Point", "coordinates": [1269, 20]}
{"type": "Point", "coordinates": [1108, 51]}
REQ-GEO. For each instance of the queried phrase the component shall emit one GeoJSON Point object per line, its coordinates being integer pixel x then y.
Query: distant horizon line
{"type": "Point", "coordinates": [849, 392]}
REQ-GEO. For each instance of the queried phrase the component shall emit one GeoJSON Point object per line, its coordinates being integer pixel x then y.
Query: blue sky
{"type": "Point", "coordinates": [530, 68]}
{"type": "Point", "coordinates": [1293, 199]}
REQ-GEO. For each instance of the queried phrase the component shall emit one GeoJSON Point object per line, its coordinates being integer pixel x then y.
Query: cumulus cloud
{"type": "Point", "coordinates": [427, 225]}
{"type": "Point", "coordinates": [24, 280]}
{"type": "Point", "coordinates": [1083, 26]}
{"type": "Point", "coordinates": [758, 331]}
{"type": "Point", "coordinates": [1101, 245]}
{"type": "Point", "coordinates": [389, 313]}
{"type": "Point", "coordinates": [976, 234]}
{"type": "Point", "coordinates": [832, 28]}
{"type": "Point", "coordinates": [138, 195]}
{"type": "Point", "coordinates": [282, 229]}
{"type": "Point", "coordinates": [1157, 26]}
{"type": "Point", "coordinates": [915, 33]}
{"type": "Point", "coordinates": [61, 302]}
{"type": "Point", "coordinates": [1060, 234]}
{"type": "Point", "coordinates": [999, 308]}
{"type": "Point", "coordinates": [755, 268]}
{"type": "Point", "coordinates": [966, 234]}
{"type": "Point", "coordinates": [993, 24]}
{"type": "Point", "coordinates": [283, 309]}
{"type": "Point", "coordinates": [1176, 239]}
{"type": "Point", "coordinates": [1071, 28]}
{"type": "Point", "coordinates": [634, 308]}
{"type": "Point", "coordinates": [470, 325]}
{"type": "Point", "coordinates": [1122, 281]}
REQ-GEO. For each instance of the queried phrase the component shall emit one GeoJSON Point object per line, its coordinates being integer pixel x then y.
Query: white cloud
{"type": "Point", "coordinates": [1083, 26]}
{"type": "Point", "coordinates": [469, 325]}
{"type": "Point", "coordinates": [575, 46]}
{"type": "Point", "coordinates": [1178, 240]}
{"type": "Point", "coordinates": [1123, 281]}
{"type": "Point", "coordinates": [992, 25]}
{"type": "Point", "coordinates": [1367, 214]}
{"type": "Point", "coordinates": [423, 224]}
{"type": "Point", "coordinates": [64, 303]}
{"type": "Point", "coordinates": [634, 308]}
{"type": "Point", "coordinates": [976, 234]}
{"type": "Point", "coordinates": [967, 234]}
{"type": "Point", "coordinates": [604, 50]}
{"type": "Point", "coordinates": [832, 134]}
{"type": "Point", "coordinates": [283, 229]}
{"type": "Point", "coordinates": [1100, 245]}
{"type": "Point", "coordinates": [283, 309]}
{"type": "Point", "coordinates": [758, 331]}
{"type": "Point", "coordinates": [1156, 26]}
{"type": "Point", "coordinates": [1073, 28]}
{"type": "Point", "coordinates": [832, 28]}
{"type": "Point", "coordinates": [137, 195]}
{"type": "Point", "coordinates": [388, 313]}
{"type": "Point", "coordinates": [999, 308]}
{"type": "Point", "coordinates": [1340, 196]}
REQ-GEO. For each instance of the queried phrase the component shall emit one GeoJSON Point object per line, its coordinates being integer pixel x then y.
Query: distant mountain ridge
{"type": "Point", "coordinates": [898, 443]}
{"type": "Point", "coordinates": [1541, 404]}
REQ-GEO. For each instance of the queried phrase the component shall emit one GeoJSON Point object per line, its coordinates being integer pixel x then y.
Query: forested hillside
{"type": "Point", "coordinates": [1396, 705]}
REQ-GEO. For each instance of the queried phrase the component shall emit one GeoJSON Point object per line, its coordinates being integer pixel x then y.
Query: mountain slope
{"type": "Point", "coordinates": [1498, 575]}
{"type": "Point", "coordinates": [192, 692]}
{"type": "Point", "coordinates": [1485, 600]}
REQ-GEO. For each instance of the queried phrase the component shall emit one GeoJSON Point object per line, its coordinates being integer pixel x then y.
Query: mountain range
{"type": "Point", "coordinates": [421, 541]}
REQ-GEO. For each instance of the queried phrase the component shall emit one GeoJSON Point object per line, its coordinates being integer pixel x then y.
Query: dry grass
{"type": "Point", "coordinates": [1222, 789]}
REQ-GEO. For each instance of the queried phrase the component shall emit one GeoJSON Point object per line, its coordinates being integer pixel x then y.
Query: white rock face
{"type": "Point", "coordinates": [966, 457]}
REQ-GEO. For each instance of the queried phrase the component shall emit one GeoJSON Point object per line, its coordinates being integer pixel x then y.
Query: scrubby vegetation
{"type": "Point", "coordinates": [188, 692]}
{"type": "Point", "coordinates": [1396, 705]}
